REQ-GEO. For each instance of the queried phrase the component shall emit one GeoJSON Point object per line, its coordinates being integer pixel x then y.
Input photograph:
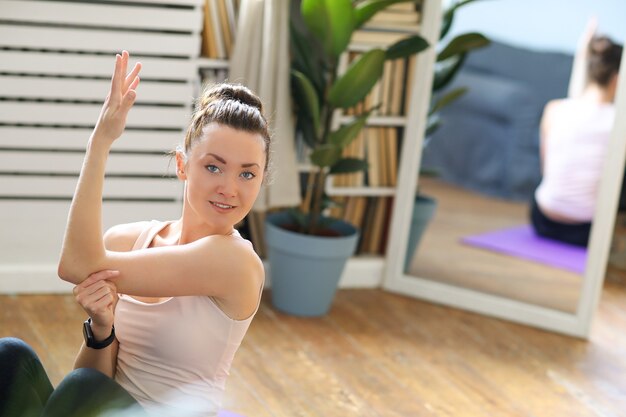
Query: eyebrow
{"type": "Point", "coordinates": [223, 161]}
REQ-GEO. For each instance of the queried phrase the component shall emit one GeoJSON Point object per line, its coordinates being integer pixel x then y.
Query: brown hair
{"type": "Point", "coordinates": [232, 105]}
{"type": "Point", "coordinates": [604, 59]}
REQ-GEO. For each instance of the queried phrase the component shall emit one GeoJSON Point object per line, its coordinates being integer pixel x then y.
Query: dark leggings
{"type": "Point", "coordinates": [26, 391]}
{"type": "Point", "coordinates": [574, 234]}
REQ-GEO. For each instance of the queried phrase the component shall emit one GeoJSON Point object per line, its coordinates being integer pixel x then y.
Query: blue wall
{"type": "Point", "coordinates": [553, 25]}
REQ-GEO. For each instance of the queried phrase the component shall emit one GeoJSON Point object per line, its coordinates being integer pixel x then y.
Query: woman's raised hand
{"type": "Point", "coordinates": [97, 295]}
{"type": "Point", "coordinates": [120, 99]}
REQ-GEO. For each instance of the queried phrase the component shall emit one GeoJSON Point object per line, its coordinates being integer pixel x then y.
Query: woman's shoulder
{"type": "Point", "coordinates": [122, 237]}
{"type": "Point", "coordinates": [237, 249]}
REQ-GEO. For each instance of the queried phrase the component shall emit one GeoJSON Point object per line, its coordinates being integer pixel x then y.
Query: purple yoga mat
{"type": "Point", "coordinates": [522, 242]}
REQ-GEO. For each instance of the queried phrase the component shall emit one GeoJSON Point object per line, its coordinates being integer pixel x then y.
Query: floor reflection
{"type": "Point", "coordinates": [441, 256]}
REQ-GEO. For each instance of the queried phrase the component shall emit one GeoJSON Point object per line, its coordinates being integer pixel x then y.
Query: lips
{"type": "Point", "coordinates": [221, 205]}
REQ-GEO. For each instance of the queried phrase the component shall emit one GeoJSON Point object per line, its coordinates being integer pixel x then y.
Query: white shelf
{"type": "Point", "coordinates": [211, 63]}
{"type": "Point", "coordinates": [361, 191]}
{"type": "Point", "coordinates": [386, 121]}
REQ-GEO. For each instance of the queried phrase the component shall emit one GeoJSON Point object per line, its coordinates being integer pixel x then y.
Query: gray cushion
{"type": "Point", "coordinates": [489, 139]}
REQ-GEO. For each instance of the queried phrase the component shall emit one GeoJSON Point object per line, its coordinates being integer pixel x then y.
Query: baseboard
{"type": "Point", "coordinates": [360, 272]}
{"type": "Point", "coordinates": [32, 279]}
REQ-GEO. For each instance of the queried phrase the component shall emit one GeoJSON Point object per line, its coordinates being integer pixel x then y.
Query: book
{"type": "Point", "coordinates": [371, 140]}
{"type": "Point", "coordinates": [225, 27]}
{"type": "Point", "coordinates": [410, 76]}
{"type": "Point", "coordinates": [391, 142]}
{"type": "Point", "coordinates": [216, 29]}
{"type": "Point", "coordinates": [209, 47]}
{"type": "Point", "coordinates": [386, 87]}
{"type": "Point", "coordinates": [395, 16]}
{"type": "Point", "coordinates": [398, 87]}
{"type": "Point", "coordinates": [374, 240]}
{"type": "Point", "coordinates": [381, 133]}
{"type": "Point", "coordinates": [376, 37]}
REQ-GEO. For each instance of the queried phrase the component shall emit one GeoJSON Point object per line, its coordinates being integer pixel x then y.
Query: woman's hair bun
{"type": "Point", "coordinates": [236, 92]}
{"type": "Point", "coordinates": [604, 59]}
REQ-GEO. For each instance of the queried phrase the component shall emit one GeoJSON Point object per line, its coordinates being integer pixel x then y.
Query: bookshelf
{"type": "Point", "coordinates": [219, 26]}
{"type": "Point", "coordinates": [366, 199]}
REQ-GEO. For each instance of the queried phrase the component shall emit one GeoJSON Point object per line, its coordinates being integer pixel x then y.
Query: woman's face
{"type": "Point", "coordinates": [224, 172]}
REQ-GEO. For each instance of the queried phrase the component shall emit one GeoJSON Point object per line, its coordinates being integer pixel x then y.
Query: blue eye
{"type": "Point", "coordinates": [213, 169]}
{"type": "Point", "coordinates": [248, 175]}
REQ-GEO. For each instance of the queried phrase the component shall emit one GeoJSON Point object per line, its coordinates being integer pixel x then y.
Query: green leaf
{"type": "Point", "coordinates": [448, 98]}
{"type": "Point", "coordinates": [365, 10]}
{"type": "Point", "coordinates": [325, 155]}
{"type": "Point", "coordinates": [305, 127]}
{"type": "Point", "coordinates": [406, 47]}
{"type": "Point", "coordinates": [462, 44]}
{"type": "Point", "coordinates": [315, 14]}
{"type": "Point", "coordinates": [448, 16]}
{"type": "Point", "coordinates": [358, 80]}
{"type": "Point", "coordinates": [303, 51]}
{"type": "Point", "coordinates": [446, 70]}
{"type": "Point", "coordinates": [348, 165]}
{"type": "Point", "coordinates": [331, 21]}
{"type": "Point", "coordinates": [309, 100]}
{"type": "Point", "coordinates": [346, 133]}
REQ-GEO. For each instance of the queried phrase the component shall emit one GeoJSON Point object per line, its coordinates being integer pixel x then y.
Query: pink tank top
{"type": "Point", "coordinates": [174, 356]}
{"type": "Point", "coordinates": [575, 154]}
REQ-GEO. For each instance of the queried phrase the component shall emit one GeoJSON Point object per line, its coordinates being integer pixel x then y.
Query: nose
{"type": "Point", "coordinates": [228, 186]}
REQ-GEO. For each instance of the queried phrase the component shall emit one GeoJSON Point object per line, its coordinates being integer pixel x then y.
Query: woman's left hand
{"type": "Point", "coordinates": [120, 99]}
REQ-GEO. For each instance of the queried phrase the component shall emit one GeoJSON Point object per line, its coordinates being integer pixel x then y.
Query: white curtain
{"type": "Point", "coordinates": [260, 60]}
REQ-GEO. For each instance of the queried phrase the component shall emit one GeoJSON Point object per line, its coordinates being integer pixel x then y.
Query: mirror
{"type": "Point", "coordinates": [479, 250]}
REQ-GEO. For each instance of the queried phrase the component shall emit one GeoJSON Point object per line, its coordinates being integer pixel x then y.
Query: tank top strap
{"type": "Point", "coordinates": [148, 234]}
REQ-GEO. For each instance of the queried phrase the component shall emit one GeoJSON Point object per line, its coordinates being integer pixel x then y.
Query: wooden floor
{"type": "Point", "coordinates": [380, 354]}
{"type": "Point", "coordinates": [462, 213]}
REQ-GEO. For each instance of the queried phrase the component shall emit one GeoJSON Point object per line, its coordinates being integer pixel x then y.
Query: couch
{"type": "Point", "coordinates": [489, 139]}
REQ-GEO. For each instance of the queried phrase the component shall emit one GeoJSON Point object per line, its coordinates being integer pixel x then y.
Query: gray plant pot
{"type": "Point", "coordinates": [305, 269]}
{"type": "Point", "coordinates": [423, 211]}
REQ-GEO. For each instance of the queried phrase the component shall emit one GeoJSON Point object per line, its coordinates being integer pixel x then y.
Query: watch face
{"type": "Point", "coordinates": [90, 340]}
{"type": "Point", "coordinates": [87, 334]}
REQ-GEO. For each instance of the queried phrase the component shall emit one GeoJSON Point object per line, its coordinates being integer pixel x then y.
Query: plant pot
{"type": "Point", "coordinates": [423, 211]}
{"type": "Point", "coordinates": [305, 269]}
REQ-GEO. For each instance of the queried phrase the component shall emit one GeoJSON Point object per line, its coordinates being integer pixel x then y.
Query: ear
{"type": "Point", "coordinates": [180, 166]}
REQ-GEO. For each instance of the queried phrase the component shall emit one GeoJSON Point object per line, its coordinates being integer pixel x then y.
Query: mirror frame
{"type": "Point", "coordinates": [394, 278]}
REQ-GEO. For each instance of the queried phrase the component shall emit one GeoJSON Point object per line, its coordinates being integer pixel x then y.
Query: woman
{"type": "Point", "coordinates": [574, 135]}
{"type": "Point", "coordinates": [188, 288]}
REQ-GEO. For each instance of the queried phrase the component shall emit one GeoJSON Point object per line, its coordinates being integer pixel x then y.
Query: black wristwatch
{"type": "Point", "coordinates": [91, 341]}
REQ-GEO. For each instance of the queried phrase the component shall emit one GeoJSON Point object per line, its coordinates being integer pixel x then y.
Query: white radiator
{"type": "Point", "coordinates": [56, 60]}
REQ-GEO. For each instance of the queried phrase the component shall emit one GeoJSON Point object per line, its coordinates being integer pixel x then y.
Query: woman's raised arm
{"type": "Point", "coordinates": [83, 249]}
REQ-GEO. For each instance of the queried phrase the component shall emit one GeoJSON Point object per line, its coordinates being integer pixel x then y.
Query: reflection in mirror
{"type": "Point", "coordinates": [502, 154]}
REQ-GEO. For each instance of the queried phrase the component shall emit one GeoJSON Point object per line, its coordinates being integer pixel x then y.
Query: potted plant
{"type": "Point", "coordinates": [307, 251]}
{"type": "Point", "coordinates": [448, 62]}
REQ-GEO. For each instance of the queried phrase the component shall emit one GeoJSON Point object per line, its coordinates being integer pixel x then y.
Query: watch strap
{"type": "Point", "coordinates": [90, 339]}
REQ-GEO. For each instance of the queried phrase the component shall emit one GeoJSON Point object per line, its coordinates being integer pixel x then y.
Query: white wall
{"type": "Point", "coordinates": [553, 25]}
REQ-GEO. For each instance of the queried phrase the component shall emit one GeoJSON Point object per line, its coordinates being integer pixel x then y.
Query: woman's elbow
{"type": "Point", "coordinates": [66, 273]}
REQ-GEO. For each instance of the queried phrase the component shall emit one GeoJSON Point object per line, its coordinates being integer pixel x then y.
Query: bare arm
{"type": "Point", "coordinates": [104, 360]}
{"type": "Point", "coordinates": [544, 129]}
{"type": "Point", "coordinates": [578, 78]}
{"type": "Point", "coordinates": [98, 298]}
{"type": "Point", "coordinates": [83, 243]}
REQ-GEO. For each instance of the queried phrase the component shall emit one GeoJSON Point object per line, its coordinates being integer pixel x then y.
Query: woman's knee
{"type": "Point", "coordinates": [24, 385]}
{"type": "Point", "coordinates": [14, 350]}
{"type": "Point", "coordinates": [87, 391]}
